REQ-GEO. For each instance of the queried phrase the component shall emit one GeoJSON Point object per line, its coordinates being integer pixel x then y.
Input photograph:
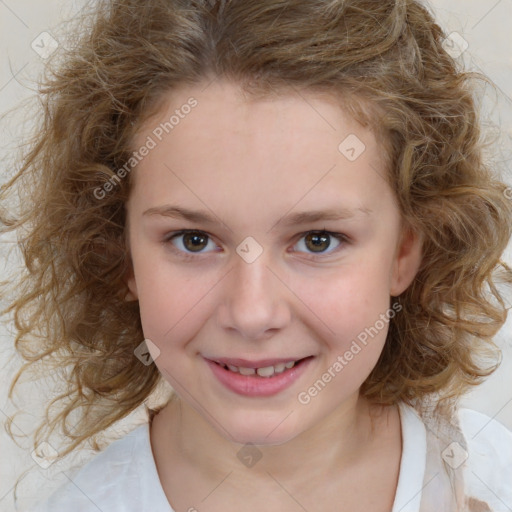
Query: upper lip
{"type": "Point", "coordinates": [245, 363]}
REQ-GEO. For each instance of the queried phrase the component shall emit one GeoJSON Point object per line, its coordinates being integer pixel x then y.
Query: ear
{"type": "Point", "coordinates": [408, 257]}
{"type": "Point", "coordinates": [132, 288]}
{"type": "Point", "coordinates": [130, 280]}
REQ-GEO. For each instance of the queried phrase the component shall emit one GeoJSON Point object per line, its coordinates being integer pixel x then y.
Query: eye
{"type": "Point", "coordinates": [189, 241]}
{"type": "Point", "coordinates": [319, 241]}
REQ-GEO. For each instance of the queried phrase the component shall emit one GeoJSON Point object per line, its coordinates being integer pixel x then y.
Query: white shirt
{"type": "Point", "coordinates": [440, 464]}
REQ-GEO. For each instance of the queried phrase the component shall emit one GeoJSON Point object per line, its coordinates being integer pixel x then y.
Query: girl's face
{"type": "Point", "coordinates": [293, 248]}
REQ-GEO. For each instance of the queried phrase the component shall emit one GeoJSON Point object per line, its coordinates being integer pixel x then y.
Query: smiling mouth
{"type": "Point", "coordinates": [265, 371]}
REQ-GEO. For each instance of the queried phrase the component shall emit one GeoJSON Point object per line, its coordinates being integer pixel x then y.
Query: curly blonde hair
{"type": "Point", "coordinates": [386, 63]}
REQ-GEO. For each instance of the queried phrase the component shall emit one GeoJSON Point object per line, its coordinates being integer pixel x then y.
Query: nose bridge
{"type": "Point", "coordinates": [252, 280]}
{"type": "Point", "coordinates": [255, 300]}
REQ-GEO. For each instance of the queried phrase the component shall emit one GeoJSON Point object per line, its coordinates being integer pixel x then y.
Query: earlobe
{"type": "Point", "coordinates": [407, 260]}
{"type": "Point", "coordinates": [131, 282]}
{"type": "Point", "coordinates": [130, 296]}
{"type": "Point", "coordinates": [132, 290]}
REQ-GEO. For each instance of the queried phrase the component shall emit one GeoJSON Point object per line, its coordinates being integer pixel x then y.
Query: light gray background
{"type": "Point", "coordinates": [484, 24]}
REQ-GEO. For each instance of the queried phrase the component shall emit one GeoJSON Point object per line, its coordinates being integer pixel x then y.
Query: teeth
{"type": "Point", "coordinates": [267, 371]}
{"type": "Point", "coordinates": [279, 368]}
{"type": "Point", "coordinates": [247, 371]}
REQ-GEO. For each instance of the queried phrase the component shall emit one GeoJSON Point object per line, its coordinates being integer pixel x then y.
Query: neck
{"type": "Point", "coordinates": [342, 438]}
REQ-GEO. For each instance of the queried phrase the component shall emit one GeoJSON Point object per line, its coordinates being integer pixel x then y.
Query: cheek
{"type": "Point", "coordinates": [171, 304]}
{"type": "Point", "coordinates": [349, 299]}
{"type": "Point", "coordinates": [352, 305]}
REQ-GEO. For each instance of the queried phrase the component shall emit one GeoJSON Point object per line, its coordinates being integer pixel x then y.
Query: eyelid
{"type": "Point", "coordinates": [340, 237]}
{"type": "Point", "coordinates": [176, 234]}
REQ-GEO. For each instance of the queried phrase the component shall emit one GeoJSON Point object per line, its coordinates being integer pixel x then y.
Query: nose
{"type": "Point", "coordinates": [255, 301]}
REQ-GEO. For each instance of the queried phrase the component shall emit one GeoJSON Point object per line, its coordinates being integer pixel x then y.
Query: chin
{"type": "Point", "coordinates": [271, 431]}
{"type": "Point", "coordinates": [262, 438]}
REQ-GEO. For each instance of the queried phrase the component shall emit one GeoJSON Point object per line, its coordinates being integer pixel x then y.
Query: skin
{"type": "Point", "coordinates": [249, 163]}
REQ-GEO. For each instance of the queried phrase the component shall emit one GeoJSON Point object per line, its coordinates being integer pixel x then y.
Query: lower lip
{"type": "Point", "coordinates": [251, 385]}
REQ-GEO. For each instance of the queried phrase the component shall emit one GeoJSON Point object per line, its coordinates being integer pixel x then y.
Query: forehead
{"type": "Point", "coordinates": [288, 147]}
{"type": "Point", "coordinates": [225, 106]}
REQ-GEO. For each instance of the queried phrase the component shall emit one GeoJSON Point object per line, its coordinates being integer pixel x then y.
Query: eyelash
{"type": "Point", "coordinates": [343, 239]}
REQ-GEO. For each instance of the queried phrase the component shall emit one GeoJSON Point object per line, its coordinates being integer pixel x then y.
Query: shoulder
{"type": "Point", "coordinates": [123, 477]}
{"type": "Point", "coordinates": [488, 467]}
{"type": "Point", "coordinates": [462, 457]}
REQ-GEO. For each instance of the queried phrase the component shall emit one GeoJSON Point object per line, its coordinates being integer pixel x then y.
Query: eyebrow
{"type": "Point", "coordinates": [202, 216]}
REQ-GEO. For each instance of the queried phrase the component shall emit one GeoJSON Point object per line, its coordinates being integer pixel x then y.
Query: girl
{"type": "Point", "coordinates": [281, 210]}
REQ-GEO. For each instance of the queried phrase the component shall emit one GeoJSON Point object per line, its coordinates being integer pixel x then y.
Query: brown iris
{"type": "Point", "coordinates": [319, 241]}
{"type": "Point", "coordinates": [195, 241]}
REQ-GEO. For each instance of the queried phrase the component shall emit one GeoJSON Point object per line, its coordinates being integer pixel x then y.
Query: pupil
{"type": "Point", "coordinates": [320, 241]}
{"type": "Point", "coordinates": [194, 241]}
